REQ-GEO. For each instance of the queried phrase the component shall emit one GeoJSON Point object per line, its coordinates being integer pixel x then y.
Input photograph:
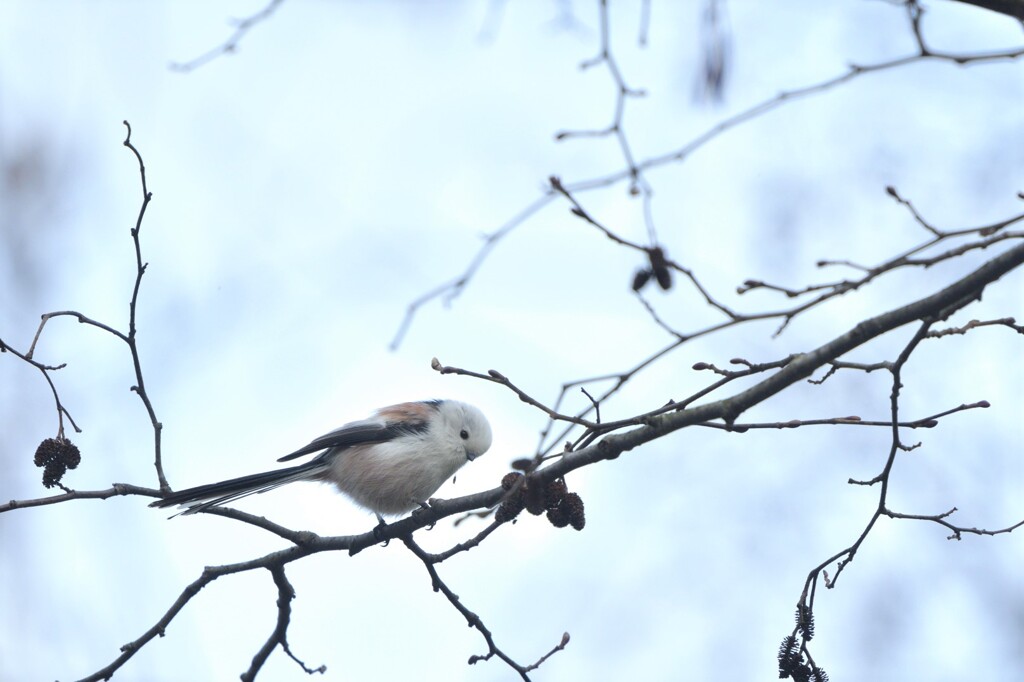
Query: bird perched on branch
{"type": "Point", "coordinates": [390, 463]}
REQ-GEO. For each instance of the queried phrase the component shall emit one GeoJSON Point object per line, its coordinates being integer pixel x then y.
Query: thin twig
{"type": "Point", "coordinates": [472, 619]}
{"type": "Point", "coordinates": [140, 270]}
{"type": "Point", "coordinates": [116, 490]}
{"type": "Point", "coordinates": [285, 595]}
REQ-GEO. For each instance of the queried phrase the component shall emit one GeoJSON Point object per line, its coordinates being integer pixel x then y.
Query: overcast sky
{"type": "Point", "coordinates": [347, 159]}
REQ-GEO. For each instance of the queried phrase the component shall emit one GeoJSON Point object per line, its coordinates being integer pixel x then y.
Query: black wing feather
{"type": "Point", "coordinates": [358, 434]}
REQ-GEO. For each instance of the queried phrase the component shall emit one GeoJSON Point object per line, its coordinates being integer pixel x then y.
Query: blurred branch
{"type": "Point", "coordinates": [716, 50]}
{"type": "Point", "coordinates": [449, 291]}
{"type": "Point", "coordinates": [645, 23]}
{"type": "Point", "coordinates": [854, 71]}
{"type": "Point", "coordinates": [229, 46]}
{"type": "Point", "coordinates": [1011, 8]}
{"type": "Point", "coordinates": [605, 56]}
{"type": "Point", "coordinates": [616, 129]}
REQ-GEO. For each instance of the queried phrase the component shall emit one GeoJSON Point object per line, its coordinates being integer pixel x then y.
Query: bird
{"type": "Point", "coordinates": [389, 464]}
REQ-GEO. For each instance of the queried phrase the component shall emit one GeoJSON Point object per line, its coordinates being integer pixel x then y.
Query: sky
{"type": "Point", "coordinates": [349, 157]}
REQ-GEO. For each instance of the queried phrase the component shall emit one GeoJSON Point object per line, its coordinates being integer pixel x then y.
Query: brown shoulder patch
{"type": "Point", "coordinates": [408, 412]}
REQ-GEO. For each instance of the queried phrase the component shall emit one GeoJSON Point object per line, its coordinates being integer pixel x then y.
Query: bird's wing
{"type": "Point", "coordinates": [361, 433]}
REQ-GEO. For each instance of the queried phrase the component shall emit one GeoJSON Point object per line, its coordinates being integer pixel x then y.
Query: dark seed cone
{"type": "Point", "coordinates": [56, 456]}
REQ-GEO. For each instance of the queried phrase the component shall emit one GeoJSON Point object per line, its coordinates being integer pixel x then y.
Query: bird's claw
{"type": "Point", "coordinates": [378, 531]}
{"type": "Point", "coordinates": [423, 508]}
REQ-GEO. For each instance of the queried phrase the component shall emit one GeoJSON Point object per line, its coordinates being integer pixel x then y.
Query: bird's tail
{"type": "Point", "coordinates": [203, 497]}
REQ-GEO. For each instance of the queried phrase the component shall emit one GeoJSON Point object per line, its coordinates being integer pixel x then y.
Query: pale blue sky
{"type": "Point", "coordinates": [346, 160]}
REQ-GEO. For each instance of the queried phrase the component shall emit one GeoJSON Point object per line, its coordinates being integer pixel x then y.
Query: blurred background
{"type": "Point", "coordinates": [349, 157]}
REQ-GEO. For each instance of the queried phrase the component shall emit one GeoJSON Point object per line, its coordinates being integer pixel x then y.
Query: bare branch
{"type": "Point", "coordinates": [467, 545]}
{"type": "Point", "coordinates": [923, 423]}
{"type": "Point", "coordinates": [82, 319]}
{"type": "Point", "coordinates": [45, 370]}
{"type": "Point", "coordinates": [285, 595]}
{"type": "Point", "coordinates": [558, 647]}
{"type": "Point", "coordinates": [854, 71]}
{"type": "Point", "coordinates": [116, 490]}
{"type": "Point", "coordinates": [623, 92]}
{"type": "Point", "coordinates": [958, 531]}
{"type": "Point", "coordinates": [977, 324]}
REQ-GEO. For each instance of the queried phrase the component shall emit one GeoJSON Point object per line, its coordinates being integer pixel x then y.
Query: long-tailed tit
{"type": "Point", "coordinates": [390, 463]}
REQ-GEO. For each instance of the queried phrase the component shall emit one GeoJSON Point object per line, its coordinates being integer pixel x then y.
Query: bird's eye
{"type": "Point", "coordinates": [464, 434]}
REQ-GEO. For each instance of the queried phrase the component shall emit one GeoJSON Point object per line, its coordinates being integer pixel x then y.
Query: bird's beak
{"type": "Point", "coordinates": [471, 455]}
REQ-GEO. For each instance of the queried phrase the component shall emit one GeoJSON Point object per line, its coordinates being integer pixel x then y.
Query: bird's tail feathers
{"type": "Point", "coordinates": [203, 497]}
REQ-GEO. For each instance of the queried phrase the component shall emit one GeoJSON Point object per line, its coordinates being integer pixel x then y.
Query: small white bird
{"type": "Point", "coordinates": [390, 463]}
